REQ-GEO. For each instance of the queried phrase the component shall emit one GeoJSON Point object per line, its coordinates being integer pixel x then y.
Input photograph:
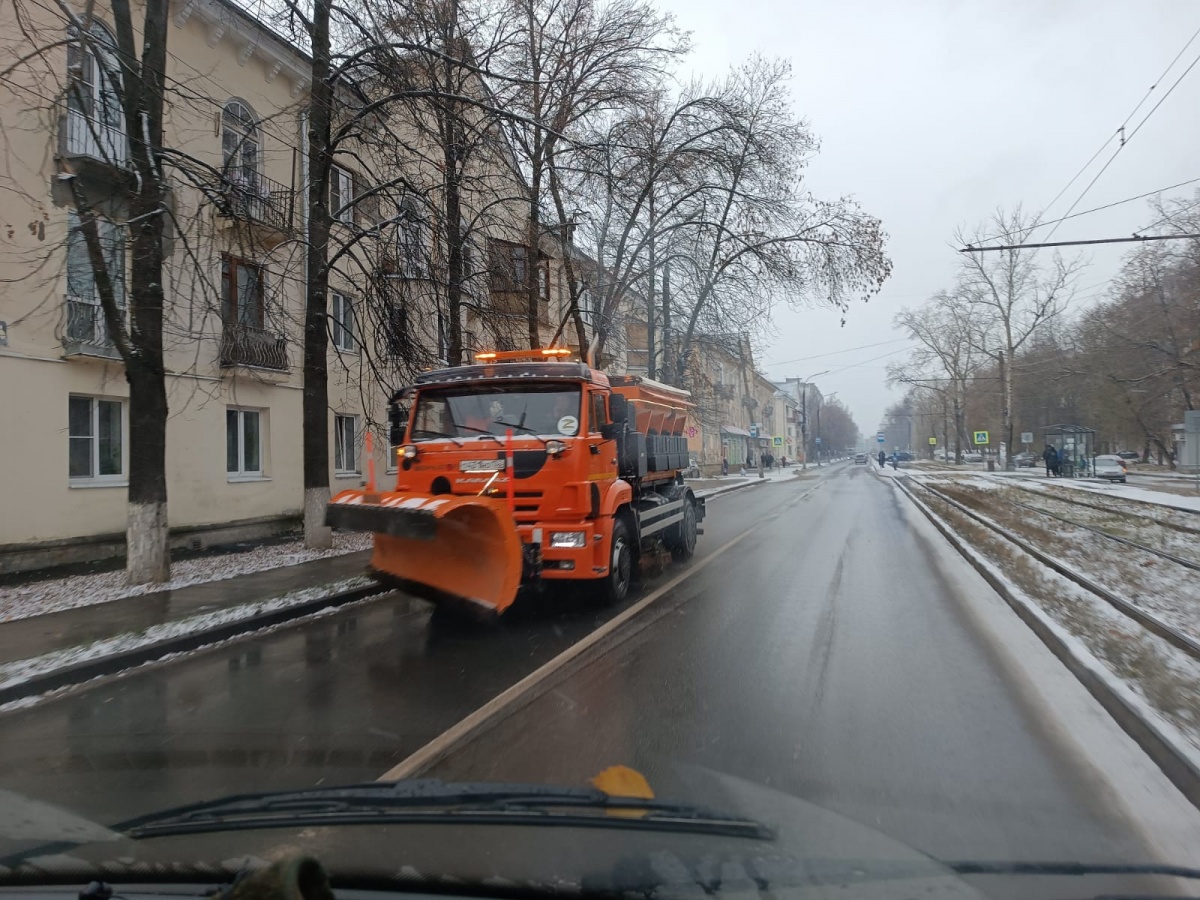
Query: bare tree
{"type": "Point", "coordinates": [947, 355]}
{"type": "Point", "coordinates": [1015, 293]}
{"type": "Point", "coordinates": [572, 60]}
{"type": "Point", "coordinates": [757, 234]}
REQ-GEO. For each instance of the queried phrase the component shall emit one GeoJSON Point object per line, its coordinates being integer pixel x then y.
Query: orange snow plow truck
{"type": "Point", "coordinates": [525, 468]}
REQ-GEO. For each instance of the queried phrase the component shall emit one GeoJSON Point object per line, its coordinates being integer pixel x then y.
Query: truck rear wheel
{"type": "Point", "coordinates": [614, 587]}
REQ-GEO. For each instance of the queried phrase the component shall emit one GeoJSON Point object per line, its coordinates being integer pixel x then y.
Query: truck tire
{"type": "Point", "coordinates": [681, 539]}
{"type": "Point", "coordinates": [614, 587]}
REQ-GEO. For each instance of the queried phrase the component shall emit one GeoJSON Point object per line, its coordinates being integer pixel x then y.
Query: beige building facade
{"type": "Point", "coordinates": [235, 294]}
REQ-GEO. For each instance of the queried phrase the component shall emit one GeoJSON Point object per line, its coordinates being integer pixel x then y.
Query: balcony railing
{"type": "Point", "coordinates": [247, 345]}
{"type": "Point", "coordinates": [83, 136]}
{"type": "Point", "coordinates": [87, 331]}
{"type": "Point", "coordinates": [257, 198]}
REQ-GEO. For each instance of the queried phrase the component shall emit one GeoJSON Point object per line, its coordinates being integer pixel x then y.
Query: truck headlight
{"type": "Point", "coordinates": [555, 448]}
{"type": "Point", "coordinates": [568, 539]}
{"type": "Point", "coordinates": [408, 451]}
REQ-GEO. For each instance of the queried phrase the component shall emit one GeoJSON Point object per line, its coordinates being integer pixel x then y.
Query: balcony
{"type": "Point", "coordinates": [87, 332]}
{"type": "Point", "coordinates": [258, 199]}
{"type": "Point", "coordinates": [247, 345]}
{"type": "Point", "coordinates": [83, 137]}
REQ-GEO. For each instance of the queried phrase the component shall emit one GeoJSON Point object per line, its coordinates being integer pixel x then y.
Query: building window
{"type": "Point", "coordinates": [85, 317]}
{"type": "Point", "coordinates": [341, 195]}
{"type": "Point", "coordinates": [96, 440]}
{"type": "Point", "coordinates": [410, 239]}
{"type": "Point", "coordinates": [95, 121]}
{"type": "Point", "coordinates": [343, 323]}
{"type": "Point", "coordinates": [240, 144]}
{"type": "Point", "coordinates": [345, 445]}
{"type": "Point", "coordinates": [243, 443]}
{"type": "Point", "coordinates": [242, 287]}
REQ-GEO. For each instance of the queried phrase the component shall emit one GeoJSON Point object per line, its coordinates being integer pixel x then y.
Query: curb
{"type": "Point", "coordinates": [1174, 761]}
{"type": "Point", "coordinates": [717, 492]}
{"type": "Point", "coordinates": [113, 663]}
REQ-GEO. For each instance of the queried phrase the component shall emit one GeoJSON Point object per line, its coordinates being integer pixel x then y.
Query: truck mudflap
{"type": "Point", "coordinates": [465, 547]}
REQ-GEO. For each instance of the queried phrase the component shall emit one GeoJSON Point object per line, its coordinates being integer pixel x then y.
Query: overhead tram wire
{"type": "Point", "coordinates": [1126, 139]}
{"type": "Point", "coordinates": [1117, 133]}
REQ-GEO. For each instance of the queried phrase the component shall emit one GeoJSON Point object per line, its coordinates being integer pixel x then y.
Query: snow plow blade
{"type": "Point", "coordinates": [466, 547]}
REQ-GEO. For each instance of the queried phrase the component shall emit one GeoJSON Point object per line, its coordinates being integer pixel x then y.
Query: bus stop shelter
{"type": "Point", "coordinates": [1076, 445]}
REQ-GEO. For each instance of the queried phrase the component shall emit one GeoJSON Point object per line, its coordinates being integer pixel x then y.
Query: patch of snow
{"type": "Point", "coordinates": [57, 594]}
{"type": "Point", "coordinates": [22, 670]}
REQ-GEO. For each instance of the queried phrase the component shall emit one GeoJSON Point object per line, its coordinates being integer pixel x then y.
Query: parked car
{"type": "Point", "coordinates": [860, 459]}
{"type": "Point", "coordinates": [905, 456]}
{"type": "Point", "coordinates": [1111, 467]}
{"type": "Point", "coordinates": [1129, 455]}
{"type": "Point", "coordinates": [1025, 460]}
{"type": "Point", "coordinates": [972, 456]}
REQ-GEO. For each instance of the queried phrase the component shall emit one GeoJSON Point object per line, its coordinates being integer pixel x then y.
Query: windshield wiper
{"type": "Point", "coordinates": [429, 801]}
{"type": "Point", "coordinates": [520, 427]}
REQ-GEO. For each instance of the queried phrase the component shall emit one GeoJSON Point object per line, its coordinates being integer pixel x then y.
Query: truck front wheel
{"type": "Point", "coordinates": [681, 539]}
{"type": "Point", "coordinates": [614, 587]}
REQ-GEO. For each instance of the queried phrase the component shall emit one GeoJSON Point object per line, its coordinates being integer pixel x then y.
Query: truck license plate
{"type": "Point", "coordinates": [481, 465]}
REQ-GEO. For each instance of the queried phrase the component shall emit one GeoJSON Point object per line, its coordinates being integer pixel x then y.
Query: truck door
{"type": "Point", "coordinates": [602, 467]}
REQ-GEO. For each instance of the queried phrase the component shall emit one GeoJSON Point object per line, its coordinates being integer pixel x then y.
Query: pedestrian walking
{"type": "Point", "coordinates": [895, 460]}
{"type": "Point", "coordinates": [724, 466]}
{"type": "Point", "coordinates": [882, 459]}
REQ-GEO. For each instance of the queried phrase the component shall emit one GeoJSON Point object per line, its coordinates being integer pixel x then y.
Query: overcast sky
{"type": "Point", "coordinates": [933, 112]}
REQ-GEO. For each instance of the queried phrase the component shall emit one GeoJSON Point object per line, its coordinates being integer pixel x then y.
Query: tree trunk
{"type": "Point", "coordinates": [147, 548]}
{"type": "Point", "coordinates": [452, 160]}
{"type": "Point", "coordinates": [1006, 381]}
{"type": "Point", "coordinates": [533, 270]}
{"type": "Point", "coordinates": [316, 336]}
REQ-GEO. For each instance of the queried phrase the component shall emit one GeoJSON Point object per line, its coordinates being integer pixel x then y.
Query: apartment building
{"type": "Point", "coordinates": [235, 122]}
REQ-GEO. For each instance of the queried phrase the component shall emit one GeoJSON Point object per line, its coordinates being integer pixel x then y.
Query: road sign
{"type": "Point", "coordinates": [778, 442]}
{"type": "Point", "coordinates": [817, 440]}
{"type": "Point", "coordinates": [981, 437]}
{"type": "Point", "coordinates": [1026, 437]}
{"type": "Point", "coordinates": [932, 441]}
{"type": "Point", "coordinates": [880, 437]}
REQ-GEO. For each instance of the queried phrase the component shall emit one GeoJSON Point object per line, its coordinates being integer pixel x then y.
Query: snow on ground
{"type": "Point", "coordinates": [23, 670]}
{"type": "Point", "coordinates": [1146, 495]}
{"type": "Point", "coordinates": [1161, 680]}
{"type": "Point", "coordinates": [57, 594]}
{"type": "Point", "coordinates": [1158, 585]}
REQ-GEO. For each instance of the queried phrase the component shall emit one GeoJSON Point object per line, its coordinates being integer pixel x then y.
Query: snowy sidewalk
{"type": "Point", "coordinates": [85, 625]}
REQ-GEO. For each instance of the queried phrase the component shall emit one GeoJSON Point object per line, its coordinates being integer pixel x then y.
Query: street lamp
{"type": "Point", "coordinates": [804, 416]}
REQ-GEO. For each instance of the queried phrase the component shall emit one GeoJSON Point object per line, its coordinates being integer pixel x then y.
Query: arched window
{"type": "Point", "coordinates": [95, 121]}
{"type": "Point", "coordinates": [240, 144]}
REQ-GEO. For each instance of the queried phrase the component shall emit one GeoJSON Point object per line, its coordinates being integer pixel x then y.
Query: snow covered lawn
{"type": "Point", "coordinates": [55, 595]}
{"type": "Point", "coordinates": [1163, 679]}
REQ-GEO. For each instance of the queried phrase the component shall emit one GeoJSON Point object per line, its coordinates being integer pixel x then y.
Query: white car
{"type": "Point", "coordinates": [973, 456]}
{"type": "Point", "coordinates": [1110, 467]}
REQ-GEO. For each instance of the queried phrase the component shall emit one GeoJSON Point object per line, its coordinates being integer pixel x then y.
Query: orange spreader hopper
{"type": "Point", "coordinates": [467, 547]}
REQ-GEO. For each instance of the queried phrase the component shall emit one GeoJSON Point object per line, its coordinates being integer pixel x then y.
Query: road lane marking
{"type": "Point", "coordinates": [441, 746]}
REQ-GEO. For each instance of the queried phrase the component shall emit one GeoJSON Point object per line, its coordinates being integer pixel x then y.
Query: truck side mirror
{"type": "Point", "coordinates": [618, 411]}
{"type": "Point", "coordinates": [397, 421]}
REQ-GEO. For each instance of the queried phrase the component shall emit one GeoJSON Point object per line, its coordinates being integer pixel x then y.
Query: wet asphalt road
{"type": "Point", "coordinates": [822, 656]}
{"type": "Point", "coordinates": [334, 700]}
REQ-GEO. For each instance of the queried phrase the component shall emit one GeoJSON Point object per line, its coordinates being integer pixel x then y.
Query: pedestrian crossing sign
{"type": "Point", "coordinates": [981, 437]}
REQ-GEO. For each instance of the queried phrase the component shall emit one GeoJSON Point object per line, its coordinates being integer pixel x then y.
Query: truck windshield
{"type": "Point", "coordinates": [465, 412]}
